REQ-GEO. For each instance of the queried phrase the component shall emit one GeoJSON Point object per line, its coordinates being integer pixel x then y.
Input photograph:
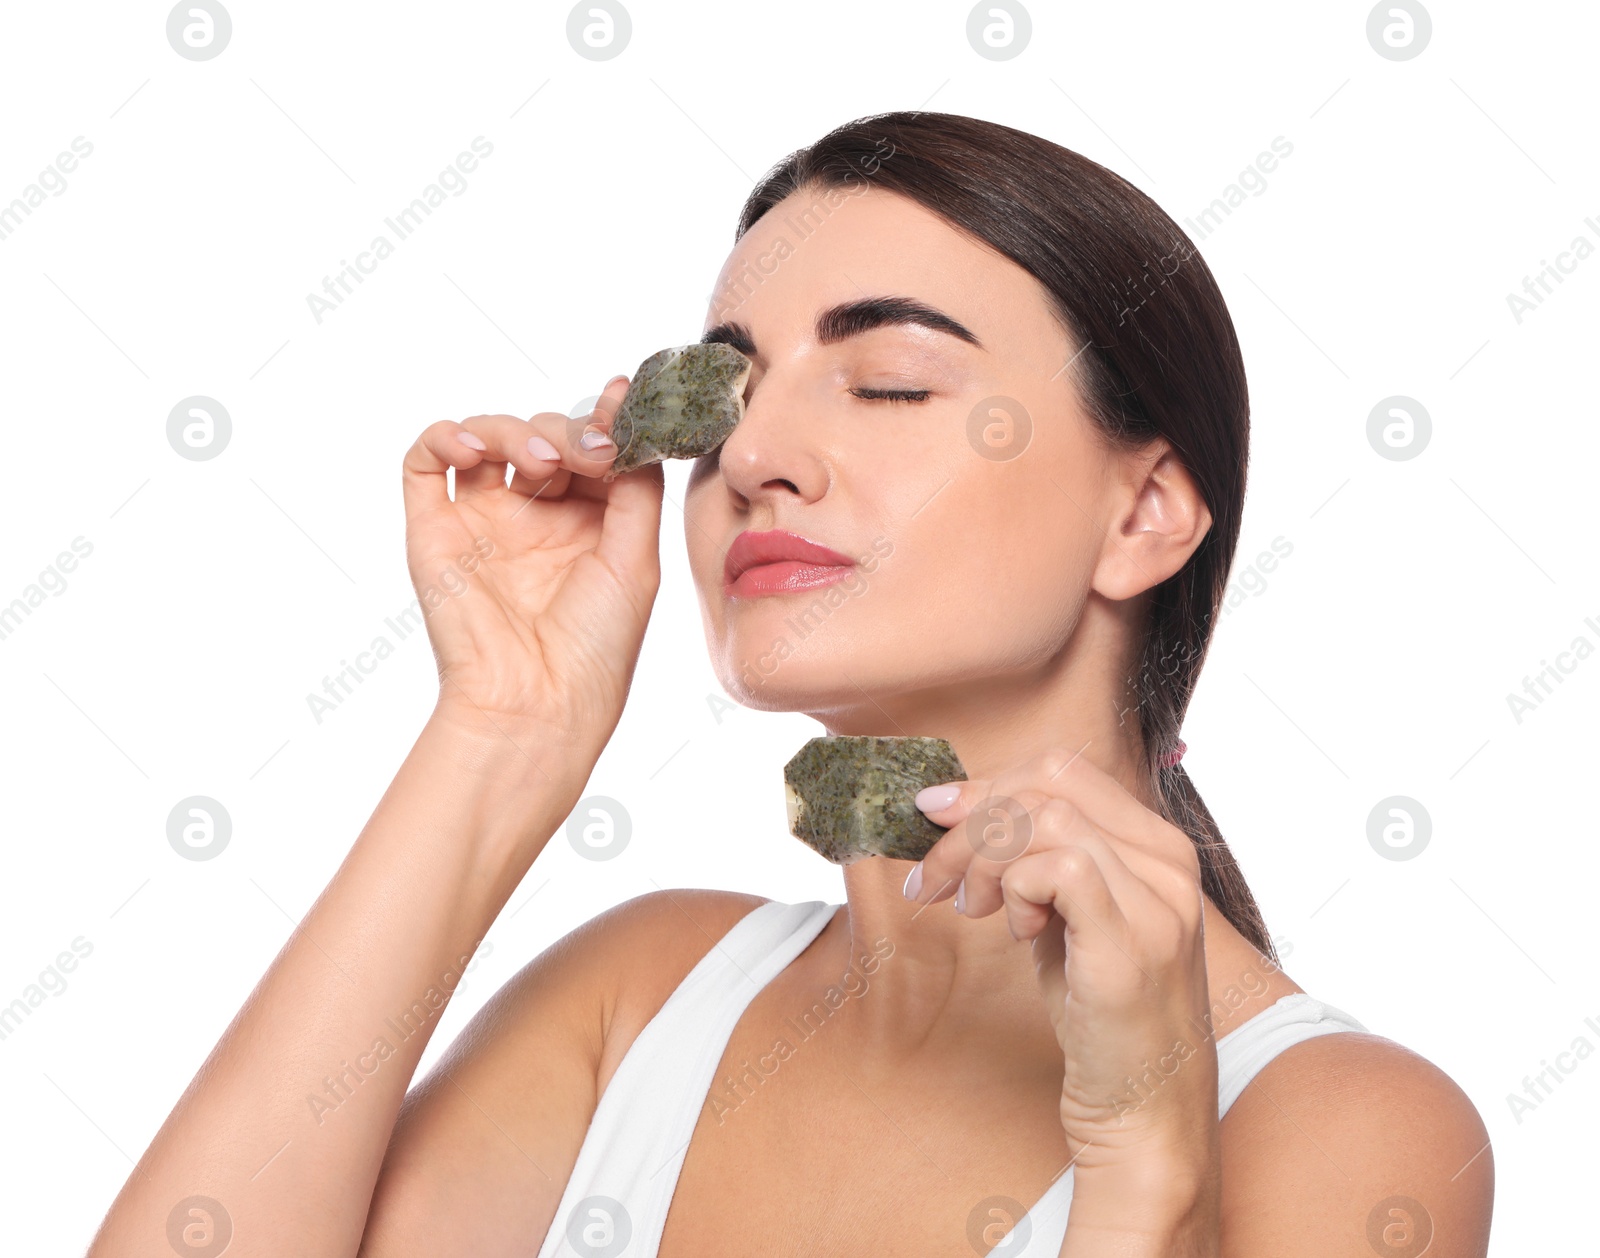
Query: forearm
{"type": "Point", "coordinates": [287, 1122]}
{"type": "Point", "coordinates": [1156, 1214]}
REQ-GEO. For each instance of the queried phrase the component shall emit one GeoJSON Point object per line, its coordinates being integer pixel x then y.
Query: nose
{"type": "Point", "coordinates": [775, 449]}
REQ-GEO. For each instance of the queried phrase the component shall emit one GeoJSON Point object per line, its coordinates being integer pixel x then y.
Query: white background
{"type": "Point", "coordinates": [1376, 660]}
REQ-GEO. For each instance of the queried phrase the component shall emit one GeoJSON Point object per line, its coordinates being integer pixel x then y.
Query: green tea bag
{"type": "Point", "coordinates": [682, 403]}
{"type": "Point", "coordinates": [851, 797]}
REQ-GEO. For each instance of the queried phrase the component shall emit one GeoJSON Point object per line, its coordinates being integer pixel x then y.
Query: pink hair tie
{"type": "Point", "coordinates": [1176, 754]}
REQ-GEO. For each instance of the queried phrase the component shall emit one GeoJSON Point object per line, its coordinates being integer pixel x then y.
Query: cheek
{"type": "Point", "coordinates": [705, 560]}
{"type": "Point", "coordinates": [1008, 553]}
{"type": "Point", "coordinates": [1019, 519]}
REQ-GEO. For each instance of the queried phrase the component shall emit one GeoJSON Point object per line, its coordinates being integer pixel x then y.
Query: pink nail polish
{"type": "Point", "coordinates": [913, 887]}
{"type": "Point", "coordinates": [935, 798]}
{"type": "Point", "coordinates": [470, 441]}
{"type": "Point", "coordinates": [542, 449]}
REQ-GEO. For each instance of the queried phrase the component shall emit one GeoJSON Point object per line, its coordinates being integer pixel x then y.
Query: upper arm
{"type": "Point", "coordinates": [483, 1146]}
{"type": "Point", "coordinates": [1350, 1140]}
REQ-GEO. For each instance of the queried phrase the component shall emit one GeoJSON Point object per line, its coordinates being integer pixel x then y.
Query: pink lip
{"type": "Point", "coordinates": [778, 561]}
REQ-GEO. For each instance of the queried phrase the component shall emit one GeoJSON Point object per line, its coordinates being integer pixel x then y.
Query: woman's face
{"type": "Point", "coordinates": [977, 513]}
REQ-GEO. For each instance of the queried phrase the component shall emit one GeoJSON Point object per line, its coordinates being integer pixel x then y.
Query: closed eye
{"type": "Point", "coordinates": [891, 395]}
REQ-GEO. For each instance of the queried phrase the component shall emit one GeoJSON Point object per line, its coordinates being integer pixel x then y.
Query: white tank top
{"type": "Point", "coordinates": [616, 1199]}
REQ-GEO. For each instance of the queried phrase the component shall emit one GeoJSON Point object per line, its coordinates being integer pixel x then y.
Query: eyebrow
{"type": "Point", "coordinates": [839, 323]}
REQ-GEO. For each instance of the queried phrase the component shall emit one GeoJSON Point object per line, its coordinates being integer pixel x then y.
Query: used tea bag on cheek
{"type": "Point", "coordinates": [682, 403]}
{"type": "Point", "coordinates": [851, 797]}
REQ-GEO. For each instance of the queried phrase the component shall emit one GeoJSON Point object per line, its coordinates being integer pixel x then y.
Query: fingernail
{"type": "Point", "coordinates": [612, 381]}
{"type": "Point", "coordinates": [934, 798]}
{"type": "Point", "coordinates": [471, 442]}
{"type": "Point", "coordinates": [542, 449]}
{"type": "Point", "coordinates": [961, 897]}
{"type": "Point", "coordinates": [913, 887]}
{"type": "Point", "coordinates": [594, 439]}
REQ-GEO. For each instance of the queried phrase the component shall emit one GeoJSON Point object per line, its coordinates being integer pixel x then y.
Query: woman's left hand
{"type": "Point", "coordinates": [1109, 893]}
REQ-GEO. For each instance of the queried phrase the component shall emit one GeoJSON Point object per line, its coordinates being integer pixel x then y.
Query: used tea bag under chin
{"type": "Point", "coordinates": [851, 797]}
{"type": "Point", "coordinates": [682, 403]}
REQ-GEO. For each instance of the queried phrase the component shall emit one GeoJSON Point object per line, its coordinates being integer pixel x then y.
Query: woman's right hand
{"type": "Point", "coordinates": [535, 594]}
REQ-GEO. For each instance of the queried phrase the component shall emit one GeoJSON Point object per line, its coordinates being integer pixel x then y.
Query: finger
{"type": "Point", "coordinates": [630, 532]}
{"type": "Point", "coordinates": [559, 484]}
{"type": "Point", "coordinates": [1055, 824]}
{"type": "Point", "coordinates": [1049, 823]}
{"type": "Point", "coordinates": [536, 448]}
{"type": "Point", "coordinates": [1118, 951]}
{"type": "Point", "coordinates": [1070, 881]}
{"type": "Point", "coordinates": [593, 460]}
{"type": "Point", "coordinates": [1126, 934]}
{"type": "Point", "coordinates": [999, 830]}
{"type": "Point", "coordinates": [1067, 772]}
{"type": "Point", "coordinates": [426, 465]}
{"type": "Point", "coordinates": [1059, 828]}
{"type": "Point", "coordinates": [488, 474]}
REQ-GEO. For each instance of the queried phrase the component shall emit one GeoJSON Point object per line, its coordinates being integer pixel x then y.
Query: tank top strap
{"type": "Point", "coordinates": [1245, 1051]}
{"type": "Point", "coordinates": [754, 951]}
{"type": "Point", "coordinates": [627, 1168]}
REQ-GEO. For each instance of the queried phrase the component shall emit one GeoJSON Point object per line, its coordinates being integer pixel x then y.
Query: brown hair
{"type": "Point", "coordinates": [1158, 358]}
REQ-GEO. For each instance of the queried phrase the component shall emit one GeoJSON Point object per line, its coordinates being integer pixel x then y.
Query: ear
{"type": "Point", "coordinates": [1159, 520]}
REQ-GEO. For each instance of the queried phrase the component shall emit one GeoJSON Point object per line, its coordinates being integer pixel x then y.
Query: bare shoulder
{"type": "Point", "coordinates": [650, 943]}
{"type": "Point", "coordinates": [1351, 1138]}
{"type": "Point", "coordinates": [484, 1145]}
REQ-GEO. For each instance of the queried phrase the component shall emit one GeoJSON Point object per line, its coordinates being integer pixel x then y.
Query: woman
{"type": "Point", "coordinates": [994, 386]}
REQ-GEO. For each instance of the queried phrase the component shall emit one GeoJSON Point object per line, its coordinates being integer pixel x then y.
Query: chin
{"type": "Point", "coordinates": [768, 681]}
